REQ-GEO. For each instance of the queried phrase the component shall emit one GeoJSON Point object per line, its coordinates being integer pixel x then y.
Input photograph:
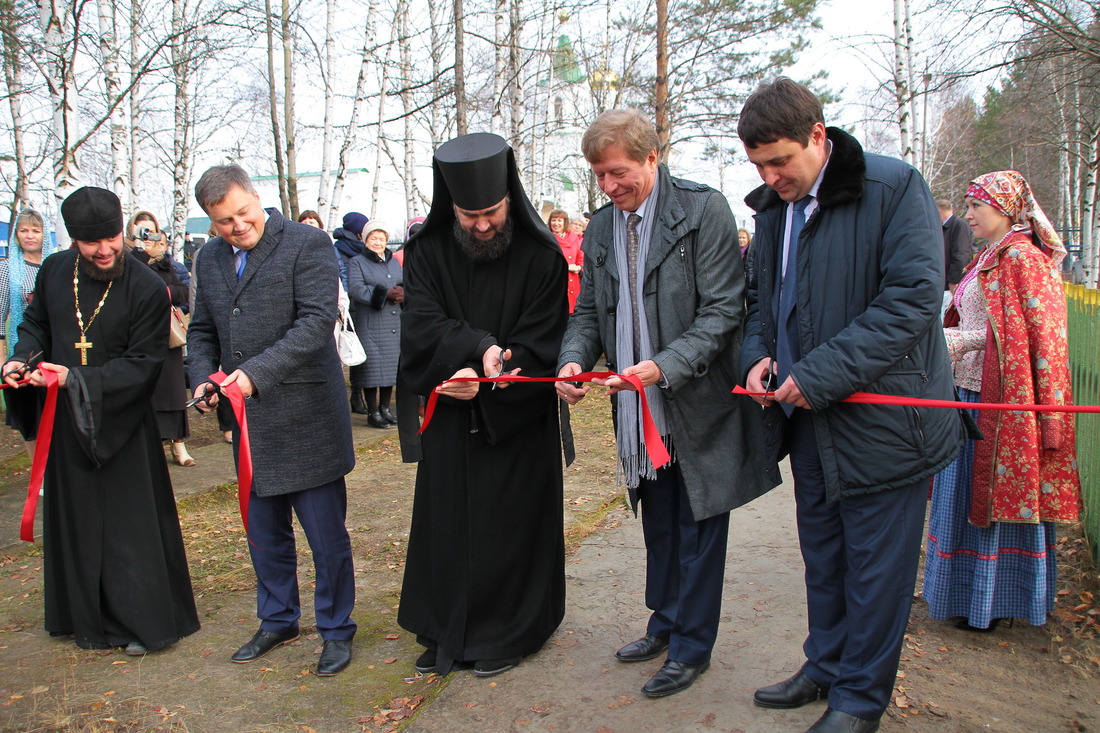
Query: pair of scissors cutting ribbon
{"type": "Point", "coordinates": [500, 372]}
{"type": "Point", "coordinates": [204, 398]}
{"type": "Point", "coordinates": [21, 371]}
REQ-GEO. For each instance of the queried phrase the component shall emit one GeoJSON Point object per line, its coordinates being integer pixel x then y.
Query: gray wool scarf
{"type": "Point", "coordinates": [634, 463]}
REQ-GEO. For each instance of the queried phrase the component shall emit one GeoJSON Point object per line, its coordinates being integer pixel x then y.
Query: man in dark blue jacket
{"type": "Point", "coordinates": [845, 298]}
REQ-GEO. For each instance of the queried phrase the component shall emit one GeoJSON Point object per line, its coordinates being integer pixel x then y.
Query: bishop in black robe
{"type": "Point", "coordinates": [115, 568]}
{"type": "Point", "coordinates": [485, 569]}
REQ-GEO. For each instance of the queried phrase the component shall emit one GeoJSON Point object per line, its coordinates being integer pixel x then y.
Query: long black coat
{"type": "Point", "coordinates": [485, 572]}
{"type": "Point", "coordinates": [115, 569]}
{"type": "Point", "coordinates": [170, 394]}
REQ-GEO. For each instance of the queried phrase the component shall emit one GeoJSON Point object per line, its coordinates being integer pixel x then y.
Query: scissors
{"type": "Point", "coordinates": [500, 372]}
{"type": "Point", "coordinates": [768, 384]}
{"type": "Point", "coordinates": [207, 392]}
{"type": "Point", "coordinates": [20, 371]}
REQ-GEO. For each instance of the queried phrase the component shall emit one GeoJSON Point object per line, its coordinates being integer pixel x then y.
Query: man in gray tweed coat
{"type": "Point", "coordinates": [263, 312]}
{"type": "Point", "coordinates": [662, 295]}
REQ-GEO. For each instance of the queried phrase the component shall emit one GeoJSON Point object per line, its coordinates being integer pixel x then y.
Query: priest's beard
{"type": "Point", "coordinates": [113, 272]}
{"type": "Point", "coordinates": [487, 250]}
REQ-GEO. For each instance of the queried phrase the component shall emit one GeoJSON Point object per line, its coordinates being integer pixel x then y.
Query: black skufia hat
{"type": "Point", "coordinates": [475, 168]}
{"type": "Point", "coordinates": [91, 214]}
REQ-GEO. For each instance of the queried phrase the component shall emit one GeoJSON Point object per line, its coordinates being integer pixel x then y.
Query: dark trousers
{"type": "Point", "coordinates": [685, 565]}
{"type": "Point", "coordinates": [861, 558]}
{"type": "Point", "coordinates": [321, 512]}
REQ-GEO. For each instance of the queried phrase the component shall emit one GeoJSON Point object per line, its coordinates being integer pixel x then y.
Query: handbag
{"type": "Point", "coordinates": [347, 342]}
{"type": "Point", "coordinates": [177, 329]}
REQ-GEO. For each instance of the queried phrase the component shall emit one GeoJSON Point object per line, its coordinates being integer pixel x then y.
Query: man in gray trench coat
{"type": "Point", "coordinates": [263, 312]}
{"type": "Point", "coordinates": [662, 294]}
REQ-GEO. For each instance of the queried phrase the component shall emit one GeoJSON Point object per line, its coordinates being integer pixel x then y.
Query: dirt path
{"type": "Point", "coordinates": [1019, 679]}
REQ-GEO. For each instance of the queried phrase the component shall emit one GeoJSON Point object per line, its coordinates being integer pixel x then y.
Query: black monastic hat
{"type": "Point", "coordinates": [475, 168]}
{"type": "Point", "coordinates": [476, 172]}
{"type": "Point", "coordinates": [92, 214]}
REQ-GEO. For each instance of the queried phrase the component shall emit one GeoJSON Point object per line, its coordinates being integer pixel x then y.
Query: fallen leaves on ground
{"type": "Point", "coordinates": [396, 710]}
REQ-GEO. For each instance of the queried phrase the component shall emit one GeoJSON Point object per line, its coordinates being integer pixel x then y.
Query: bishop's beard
{"type": "Point", "coordinates": [115, 271]}
{"type": "Point", "coordinates": [487, 250]}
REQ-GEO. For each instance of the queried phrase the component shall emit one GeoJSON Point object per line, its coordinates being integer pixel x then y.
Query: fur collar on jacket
{"type": "Point", "coordinates": [843, 181]}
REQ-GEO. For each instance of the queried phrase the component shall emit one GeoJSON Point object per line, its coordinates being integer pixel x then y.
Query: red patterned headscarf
{"type": "Point", "coordinates": [1009, 193]}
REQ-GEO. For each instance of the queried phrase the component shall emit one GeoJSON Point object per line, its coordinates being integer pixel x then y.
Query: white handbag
{"type": "Point", "coordinates": [347, 342]}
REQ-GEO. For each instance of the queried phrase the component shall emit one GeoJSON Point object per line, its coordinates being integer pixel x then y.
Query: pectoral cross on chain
{"type": "Point", "coordinates": [83, 344]}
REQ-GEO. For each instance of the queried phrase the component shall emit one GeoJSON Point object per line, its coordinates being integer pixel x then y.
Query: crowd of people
{"type": "Point", "coordinates": [854, 280]}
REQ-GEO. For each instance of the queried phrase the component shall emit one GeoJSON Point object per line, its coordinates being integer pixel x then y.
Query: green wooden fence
{"type": "Point", "coordinates": [1083, 305]}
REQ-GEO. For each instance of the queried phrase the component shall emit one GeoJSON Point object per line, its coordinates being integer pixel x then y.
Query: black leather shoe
{"type": "Point", "coordinates": [834, 721]}
{"type": "Point", "coordinates": [357, 405]}
{"type": "Point", "coordinates": [335, 656]}
{"type": "Point", "coordinates": [262, 643]}
{"type": "Point", "coordinates": [425, 663]}
{"type": "Point", "coordinates": [375, 420]}
{"type": "Point", "coordinates": [648, 647]}
{"type": "Point", "coordinates": [673, 677]}
{"type": "Point", "coordinates": [493, 667]}
{"type": "Point", "coordinates": [790, 693]}
{"type": "Point", "coordinates": [387, 415]}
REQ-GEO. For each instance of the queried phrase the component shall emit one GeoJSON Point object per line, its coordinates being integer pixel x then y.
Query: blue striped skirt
{"type": "Point", "coordinates": [1007, 570]}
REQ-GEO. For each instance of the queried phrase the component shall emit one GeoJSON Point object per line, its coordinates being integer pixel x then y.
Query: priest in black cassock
{"type": "Point", "coordinates": [485, 283]}
{"type": "Point", "coordinates": [115, 569]}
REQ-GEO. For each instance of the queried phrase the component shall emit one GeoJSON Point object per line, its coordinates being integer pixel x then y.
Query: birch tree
{"type": "Point", "coordinates": [273, 103]}
{"type": "Point", "coordinates": [902, 93]}
{"type": "Point", "coordinates": [110, 53]}
{"type": "Point", "coordinates": [351, 134]}
{"type": "Point", "coordinates": [328, 70]}
{"type": "Point", "coordinates": [13, 59]}
{"type": "Point", "coordinates": [288, 114]}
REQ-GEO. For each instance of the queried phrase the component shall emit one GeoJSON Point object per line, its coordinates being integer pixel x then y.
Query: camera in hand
{"type": "Point", "coordinates": [149, 236]}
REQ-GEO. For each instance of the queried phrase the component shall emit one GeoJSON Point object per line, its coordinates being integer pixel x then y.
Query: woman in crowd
{"type": "Point", "coordinates": [374, 285]}
{"type": "Point", "coordinates": [570, 245]}
{"type": "Point", "coordinates": [349, 245]}
{"type": "Point", "coordinates": [312, 218]}
{"type": "Point", "coordinates": [414, 226]}
{"type": "Point", "coordinates": [18, 272]}
{"type": "Point", "coordinates": [744, 241]}
{"type": "Point", "coordinates": [577, 226]}
{"type": "Point", "coordinates": [991, 532]}
{"type": "Point", "coordinates": [170, 395]}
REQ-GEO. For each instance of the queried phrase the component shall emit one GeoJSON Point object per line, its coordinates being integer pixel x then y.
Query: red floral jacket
{"type": "Point", "coordinates": [1026, 468]}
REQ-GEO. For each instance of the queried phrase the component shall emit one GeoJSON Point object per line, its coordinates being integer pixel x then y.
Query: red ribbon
{"type": "Point", "coordinates": [868, 398]}
{"type": "Point", "coordinates": [654, 446]}
{"type": "Point", "coordinates": [244, 447]}
{"type": "Point", "coordinates": [41, 454]}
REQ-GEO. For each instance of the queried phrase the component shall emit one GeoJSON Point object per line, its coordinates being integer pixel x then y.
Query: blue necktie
{"type": "Point", "coordinates": [788, 350]}
{"type": "Point", "coordinates": [242, 257]}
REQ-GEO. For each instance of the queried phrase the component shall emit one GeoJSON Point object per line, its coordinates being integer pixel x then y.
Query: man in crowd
{"type": "Point", "coordinates": [958, 245]}
{"type": "Point", "coordinates": [263, 311]}
{"type": "Point", "coordinates": [846, 298]}
{"type": "Point", "coordinates": [662, 295]}
{"type": "Point", "coordinates": [115, 569]}
{"type": "Point", "coordinates": [485, 293]}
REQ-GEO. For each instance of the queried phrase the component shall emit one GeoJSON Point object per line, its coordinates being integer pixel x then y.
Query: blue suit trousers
{"type": "Point", "coordinates": [321, 512]}
{"type": "Point", "coordinates": [861, 557]}
{"type": "Point", "coordinates": [685, 567]}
